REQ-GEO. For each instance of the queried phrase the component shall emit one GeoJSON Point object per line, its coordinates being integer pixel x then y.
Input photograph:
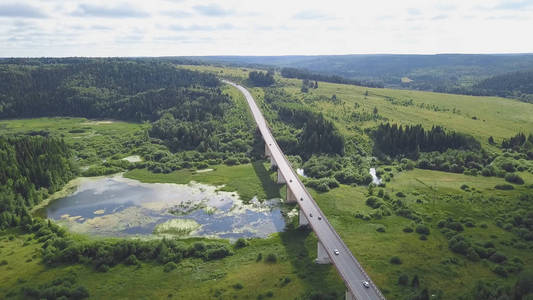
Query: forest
{"type": "Point", "coordinates": [30, 169]}
{"type": "Point", "coordinates": [258, 78]}
{"type": "Point", "coordinates": [305, 74]}
{"type": "Point", "coordinates": [317, 135]}
{"type": "Point", "coordinates": [409, 141]}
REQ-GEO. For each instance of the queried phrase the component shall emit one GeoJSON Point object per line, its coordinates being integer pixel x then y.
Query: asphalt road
{"type": "Point", "coordinates": [347, 265]}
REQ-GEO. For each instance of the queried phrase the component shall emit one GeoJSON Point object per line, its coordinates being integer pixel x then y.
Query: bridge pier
{"type": "Point", "coordinates": [269, 155]}
{"type": "Point", "coordinates": [291, 198]}
{"type": "Point", "coordinates": [302, 219]}
{"type": "Point", "coordinates": [267, 151]}
{"type": "Point", "coordinates": [349, 296]}
{"type": "Point", "coordinates": [281, 179]}
{"type": "Point", "coordinates": [321, 255]}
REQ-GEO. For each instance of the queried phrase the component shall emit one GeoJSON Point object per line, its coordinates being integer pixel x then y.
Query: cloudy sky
{"type": "Point", "coordinates": [267, 27]}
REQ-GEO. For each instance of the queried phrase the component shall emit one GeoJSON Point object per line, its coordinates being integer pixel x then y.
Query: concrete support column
{"type": "Point", "coordinates": [349, 295]}
{"type": "Point", "coordinates": [302, 219]}
{"type": "Point", "coordinates": [267, 151]}
{"type": "Point", "coordinates": [321, 254]}
{"type": "Point", "coordinates": [291, 198]}
{"type": "Point", "coordinates": [273, 162]}
{"type": "Point", "coordinates": [281, 179]}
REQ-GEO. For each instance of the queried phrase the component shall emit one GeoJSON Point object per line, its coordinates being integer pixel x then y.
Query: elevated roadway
{"type": "Point", "coordinates": [331, 248]}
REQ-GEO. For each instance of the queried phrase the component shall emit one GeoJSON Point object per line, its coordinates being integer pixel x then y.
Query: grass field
{"type": "Point", "coordinates": [239, 276]}
{"type": "Point", "coordinates": [93, 140]}
{"type": "Point", "coordinates": [247, 180]}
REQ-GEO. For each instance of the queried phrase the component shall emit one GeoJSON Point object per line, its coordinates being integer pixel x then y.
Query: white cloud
{"type": "Point", "coordinates": [275, 27]}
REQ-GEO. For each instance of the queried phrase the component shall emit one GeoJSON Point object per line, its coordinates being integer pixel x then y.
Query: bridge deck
{"type": "Point", "coordinates": [347, 265]}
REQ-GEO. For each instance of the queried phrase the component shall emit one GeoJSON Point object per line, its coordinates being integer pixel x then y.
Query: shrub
{"type": "Point", "coordinates": [423, 237]}
{"type": "Point", "coordinates": [422, 229]}
{"type": "Point", "coordinates": [103, 268]}
{"type": "Point", "coordinates": [259, 257]}
{"type": "Point", "coordinates": [169, 266]}
{"type": "Point", "coordinates": [131, 260]}
{"type": "Point", "coordinates": [400, 194]}
{"type": "Point", "coordinates": [514, 178]}
{"type": "Point", "coordinates": [464, 187]}
{"type": "Point", "coordinates": [497, 257]}
{"type": "Point", "coordinates": [217, 253]}
{"type": "Point", "coordinates": [380, 229]}
{"type": "Point", "coordinates": [524, 284]}
{"type": "Point", "coordinates": [472, 254]}
{"type": "Point", "coordinates": [3, 262]}
{"type": "Point", "coordinates": [403, 279]}
{"type": "Point", "coordinates": [408, 229]}
{"type": "Point", "coordinates": [241, 243]}
{"type": "Point", "coordinates": [271, 258]}
{"type": "Point", "coordinates": [500, 271]}
{"type": "Point", "coordinates": [504, 187]}
{"type": "Point", "coordinates": [395, 260]}
{"type": "Point", "coordinates": [238, 286]}
{"type": "Point", "coordinates": [373, 202]}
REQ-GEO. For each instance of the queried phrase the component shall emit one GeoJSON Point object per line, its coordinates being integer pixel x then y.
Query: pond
{"type": "Point", "coordinates": [121, 207]}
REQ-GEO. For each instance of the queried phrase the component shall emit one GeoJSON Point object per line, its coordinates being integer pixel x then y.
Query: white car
{"type": "Point", "coordinates": [366, 284]}
{"type": "Point", "coordinates": [336, 251]}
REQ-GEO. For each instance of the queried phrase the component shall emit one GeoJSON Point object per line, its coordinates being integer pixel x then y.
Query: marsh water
{"type": "Point", "coordinates": [117, 206]}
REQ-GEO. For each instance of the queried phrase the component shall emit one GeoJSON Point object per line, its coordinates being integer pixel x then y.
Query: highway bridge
{"type": "Point", "coordinates": [330, 248]}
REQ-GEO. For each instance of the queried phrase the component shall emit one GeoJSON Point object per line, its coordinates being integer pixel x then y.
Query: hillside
{"type": "Point", "coordinates": [441, 72]}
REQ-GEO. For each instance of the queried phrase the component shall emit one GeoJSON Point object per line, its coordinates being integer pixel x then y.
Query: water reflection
{"type": "Point", "coordinates": [117, 206]}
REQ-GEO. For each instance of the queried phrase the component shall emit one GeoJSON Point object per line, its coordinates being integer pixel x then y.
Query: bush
{"type": "Point", "coordinates": [524, 284]}
{"type": "Point", "coordinates": [408, 230]}
{"type": "Point", "coordinates": [373, 202]}
{"type": "Point", "coordinates": [103, 268]}
{"type": "Point", "coordinates": [500, 271]}
{"type": "Point", "coordinates": [3, 262]}
{"type": "Point", "coordinates": [259, 257]}
{"type": "Point", "coordinates": [238, 286]}
{"type": "Point", "coordinates": [169, 266]}
{"type": "Point", "coordinates": [241, 243]}
{"type": "Point", "coordinates": [131, 260]}
{"type": "Point", "coordinates": [400, 194]}
{"type": "Point", "coordinates": [403, 279]}
{"type": "Point", "coordinates": [422, 229]}
{"type": "Point", "coordinates": [514, 178]}
{"type": "Point", "coordinates": [423, 237]}
{"type": "Point", "coordinates": [380, 229]}
{"type": "Point", "coordinates": [395, 260]}
{"type": "Point", "coordinates": [504, 187]}
{"type": "Point", "coordinates": [497, 257]}
{"type": "Point", "coordinates": [271, 258]}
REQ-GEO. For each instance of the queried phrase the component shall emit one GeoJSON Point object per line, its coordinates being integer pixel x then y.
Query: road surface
{"type": "Point", "coordinates": [347, 265]}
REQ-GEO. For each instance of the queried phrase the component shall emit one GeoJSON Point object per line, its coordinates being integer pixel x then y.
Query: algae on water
{"type": "Point", "coordinates": [177, 227]}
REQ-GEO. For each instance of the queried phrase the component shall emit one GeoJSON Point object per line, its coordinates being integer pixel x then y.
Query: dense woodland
{"type": "Point", "coordinates": [258, 78]}
{"type": "Point", "coordinates": [305, 74]}
{"type": "Point", "coordinates": [30, 169]}
{"type": "Point", "coordinates": [409, 141]}
{"type": "Point", "coordinates": [316, 135]}
{"type": "Point", "coordinates": [124, 90]}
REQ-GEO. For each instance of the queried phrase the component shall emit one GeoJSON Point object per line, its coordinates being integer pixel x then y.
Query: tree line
{"type": "Point", "coordinates": [259, 78]}
{"type": "Point", "coordinates": [394, 140]}
{"type": "Point", "coordinates": [304, 74]}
